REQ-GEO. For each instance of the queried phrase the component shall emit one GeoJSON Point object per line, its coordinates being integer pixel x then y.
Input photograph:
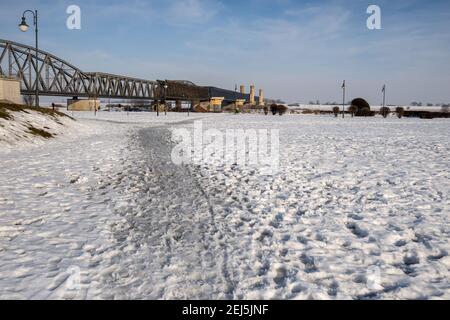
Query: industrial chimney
{"type": "Point", "coordinates": [252, 94]}
{"type": "Point", "coordinates": [261, 97]}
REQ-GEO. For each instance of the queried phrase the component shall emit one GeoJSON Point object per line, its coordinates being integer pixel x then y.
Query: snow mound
{"type": "Point", "coordinates": [22, 126]}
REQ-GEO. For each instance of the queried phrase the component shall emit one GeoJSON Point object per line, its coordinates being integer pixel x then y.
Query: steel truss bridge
{"type": "Point", "coordinates": [57, 77]}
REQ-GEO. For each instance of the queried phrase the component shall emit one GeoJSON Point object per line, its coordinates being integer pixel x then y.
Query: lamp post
{"type": "Point", "coordinates": [343, 100]}
{"type": "Point", "coordinates": [23, 26]}
{"type": "Point", "coordinates": [165, 97]}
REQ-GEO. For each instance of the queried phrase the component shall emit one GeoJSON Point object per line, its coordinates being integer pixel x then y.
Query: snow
{"type": "Point", "coordinates": [359, 209]}
{"type": "Point", "coordinates": [15, 133]}
{"type": "Point", "coordinates": [330, 107]}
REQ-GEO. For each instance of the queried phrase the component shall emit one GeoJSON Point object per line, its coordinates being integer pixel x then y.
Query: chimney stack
{"type": "Point", "coordinates": [261, 97]}
{"type": "Point", "coordinates": [252, 94]}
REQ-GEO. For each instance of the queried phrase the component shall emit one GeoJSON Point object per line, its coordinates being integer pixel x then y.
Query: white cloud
{"type": "Point", "coordinates": [193, 11]}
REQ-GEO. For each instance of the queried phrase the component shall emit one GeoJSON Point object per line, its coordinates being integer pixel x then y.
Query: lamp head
{"type": "Point", "coordinates": [23, 25]}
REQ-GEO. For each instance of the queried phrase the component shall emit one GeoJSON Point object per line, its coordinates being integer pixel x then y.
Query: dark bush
{"type": "Point", "coordinates": [352, 110]}
{"type": "Point", "coordinates": [400, 112]}
{"type": "Point", "coordinates": [281, 109]}
{"type": "Point", "coordinates": [274, 109]}
{"type": "Point", "coordinates": [362, 107]}
{"type": "Point", "coordinates": [365, 112]}
{"type": "Point", "coordinates": [384, 111]}
{"type": "Point", "coordinates": [336, 111]}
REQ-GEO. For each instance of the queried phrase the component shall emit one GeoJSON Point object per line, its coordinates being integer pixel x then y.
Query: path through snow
{"type": "Point", "coordinates": [360, 209]}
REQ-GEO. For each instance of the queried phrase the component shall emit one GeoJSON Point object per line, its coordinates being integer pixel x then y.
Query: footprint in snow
{"type": "Point", "coordinates": [356, 230]}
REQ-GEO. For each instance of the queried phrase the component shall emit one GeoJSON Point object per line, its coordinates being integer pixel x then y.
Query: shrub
{"type": "Point", "coordinates": [362, 107]}
{"type": "Point", "coordinates": [274, 109]}
{"type": "Point", "coordinates": [336, 111]}
{"type": "Point", "coordinates": [365, 112]}
{"type": "Point", "coordinates": [352, 110]}
{"type": "Point", "coordinates": [281, 109]}
{"type": "Point", "coordinates": [384, 111]}
{"type": "Point", "coordinates": [400, 112]}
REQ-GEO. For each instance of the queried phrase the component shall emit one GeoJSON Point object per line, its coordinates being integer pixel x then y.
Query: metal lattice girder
{"type": "Point", "coordinates": [56, 77]}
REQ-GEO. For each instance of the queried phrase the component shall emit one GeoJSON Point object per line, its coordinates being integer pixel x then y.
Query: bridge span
{"type": "Point", "coordinates": [56, 77]}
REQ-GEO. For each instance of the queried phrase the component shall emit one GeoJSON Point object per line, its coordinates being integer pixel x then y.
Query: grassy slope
{"type": "Point", "coordinates": [7, 108]}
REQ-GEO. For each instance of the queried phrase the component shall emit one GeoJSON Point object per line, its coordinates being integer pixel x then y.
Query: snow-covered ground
{"type": "Point", "coordinates": [15, 132]}
{"type": "Point", "coordinates": [359, 209]}
{"type": "Point", "coordinates": [322, 107]}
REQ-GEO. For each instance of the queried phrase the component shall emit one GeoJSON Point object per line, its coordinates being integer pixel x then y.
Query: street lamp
{"type": "Point", "coordinates": [23, 26]}
{"type": "Point", "coordinates": [165, 96]}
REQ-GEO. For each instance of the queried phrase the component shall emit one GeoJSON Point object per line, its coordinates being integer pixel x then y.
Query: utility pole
{"type": "Point", "coordinates": [343, 100]}
{"type": "Point", "coordinates": [384, 95]}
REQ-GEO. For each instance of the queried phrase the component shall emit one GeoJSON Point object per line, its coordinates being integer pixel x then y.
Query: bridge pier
{"type": "Point", "coordinates": [239, 104]}
{"type": "Point", "coordinates": [215, 104]}
{"type": "Point", "coordinates": [10, 90]}
{"type": "Point", "coordinates": [83, 105]}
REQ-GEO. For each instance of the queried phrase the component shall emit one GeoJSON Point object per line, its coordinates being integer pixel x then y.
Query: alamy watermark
{"type": "Point", "coordinates": [73, 21]}
{"type": "Point", "coordinates": [374, 20]}
{"type": "Point", "coordinates": [74, 279]}
{"type": "Point", "coordinates": [256, 148]}
{"type": "Point", "coordinates": [373, 278]}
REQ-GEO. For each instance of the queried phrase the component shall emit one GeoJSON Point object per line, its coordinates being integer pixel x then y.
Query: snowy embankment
{"type": "Point", "coordinates": [359, 209]}
{"type": "Point", "coordinates": [21, 126]}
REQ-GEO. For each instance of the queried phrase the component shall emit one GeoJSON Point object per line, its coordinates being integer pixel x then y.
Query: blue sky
{"type": "Point", "coordinates": [296, 50]}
